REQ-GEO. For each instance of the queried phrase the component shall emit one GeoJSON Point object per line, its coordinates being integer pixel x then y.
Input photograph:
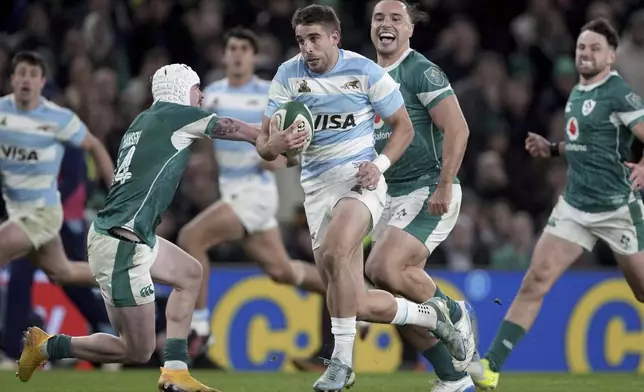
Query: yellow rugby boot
{"type": "Point", "coordinates": [180, 381]}
{"type": "Point", "coordinates": [485, 378]}
{"type": "Point", "coordinates": [31, 357]}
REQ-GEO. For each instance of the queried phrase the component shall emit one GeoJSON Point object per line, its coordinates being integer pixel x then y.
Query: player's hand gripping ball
{"type": "Point", "coordinates": [294, 122]}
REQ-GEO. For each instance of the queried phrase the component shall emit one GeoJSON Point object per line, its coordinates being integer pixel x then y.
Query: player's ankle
{"type": "Point", "coordinates": [344, 332]}
{"type": "Point", "coordinates": [175, 354]}
{"type": "Point", "coordinates": [175, 365]}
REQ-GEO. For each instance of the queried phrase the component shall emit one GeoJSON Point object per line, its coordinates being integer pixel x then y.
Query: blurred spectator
{"type": "Point", "coordinates": [630, 54]}
{"type": "Point", "coordinates": [515, 254]}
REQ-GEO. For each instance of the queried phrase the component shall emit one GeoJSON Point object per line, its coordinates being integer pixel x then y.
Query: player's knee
{"type": "Point", "coordinates": [334, 260]}
{"type": "Point", "coordinates": [60, 275]}
{"type": "Point", "coordinates": [141, 355]}
{"type": "Point", "coordinates": [537, 281]}
{"type": "Point", "coordinates": [379, 275]}
{"type": "Point", "coordinates": [639, 294]}
{"type": "Point", "coordinates": [280, 273]}
{"type": "Point", "coordinates": [188, 238]}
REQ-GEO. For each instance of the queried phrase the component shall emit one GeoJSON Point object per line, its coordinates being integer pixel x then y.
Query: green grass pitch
{"type": "Point", "coordinates": [145, 381]}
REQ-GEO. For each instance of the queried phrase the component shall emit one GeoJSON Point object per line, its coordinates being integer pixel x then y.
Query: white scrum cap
{"type": "Point", "coordinates": [172, 83]}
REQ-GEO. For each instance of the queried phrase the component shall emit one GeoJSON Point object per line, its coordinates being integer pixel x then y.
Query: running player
{"type": "Point", "coordinates": [602, 115]}
{"type": "Point", "coordinates": [342, 179]}
{"type": "Point", "coordinates": [425, 195]}
{"type": "Point", "coordinates": [124, 253]}
{"type": "Point", "coordinates": [249, 202]}
{"type": "Point", "coordinates": [32, 133]}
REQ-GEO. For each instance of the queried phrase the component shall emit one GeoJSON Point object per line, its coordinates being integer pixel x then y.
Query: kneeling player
{"type": "Point", "coordinates": [249, 202]}
{"type": "Point", "coordinates": [126, 256]}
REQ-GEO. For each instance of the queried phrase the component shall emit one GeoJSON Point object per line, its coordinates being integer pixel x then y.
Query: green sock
{"type": "Point", "coordinates": [505, 341]}
{"type": "Point", "coordinates": [175, 350]}
{"type": "Point", "coordinates": [59, 347]}
{"type": "Point", "coordinates": [441, 360]}
{"type": "Point", "coordinates": [455, 312]}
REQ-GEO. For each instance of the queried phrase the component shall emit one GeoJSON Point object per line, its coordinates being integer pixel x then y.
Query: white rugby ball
{"type": "Point", "coordinates": [290, 112]}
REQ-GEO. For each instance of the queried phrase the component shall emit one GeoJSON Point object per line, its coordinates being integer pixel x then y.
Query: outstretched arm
{"type": "Point", "coordinates": [232, 129]}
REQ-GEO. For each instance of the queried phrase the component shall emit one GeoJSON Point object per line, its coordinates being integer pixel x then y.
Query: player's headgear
{"type": "Point", "coordinates": [172, 83]}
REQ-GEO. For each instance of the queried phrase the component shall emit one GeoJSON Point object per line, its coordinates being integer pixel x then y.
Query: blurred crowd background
{"type": "Point", "coordinates": [511, 63]}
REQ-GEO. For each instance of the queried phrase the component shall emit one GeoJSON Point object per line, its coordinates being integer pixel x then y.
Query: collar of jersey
{"type": "Point", "coordinates": [15, 105]}
{"type": "Point", "coordinates": [590, 87]}
{"type": "Point", "coordinates": [399, 61]}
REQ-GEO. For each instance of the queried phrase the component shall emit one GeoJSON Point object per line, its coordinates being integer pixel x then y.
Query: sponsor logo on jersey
{"type": "Point", "coordinates": [18, 153]}
{"type": "Point", "coordinates": [334, 121]}
{"type": "Point", "coordinates": [147, 291]}
{"type": "Point", "coordinates": [378, 122]}
{"type": "Point", "coordinates": [588, 107]}
{"type": "Point", "coordinates": [572, 128]}
{"type": "Point", "coordinates": [568, 107]}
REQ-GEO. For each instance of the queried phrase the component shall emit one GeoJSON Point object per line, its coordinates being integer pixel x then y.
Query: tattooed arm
{"type": "Point", "coordinates": [232, 129]}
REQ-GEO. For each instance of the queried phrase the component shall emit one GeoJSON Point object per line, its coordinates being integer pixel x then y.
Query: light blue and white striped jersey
{"type": "Point", "coordinates": [239, 161]}
{"type": "Point", "coordinates": [31, 150]}
{"type": "Point", "coordinates": [344, 102]}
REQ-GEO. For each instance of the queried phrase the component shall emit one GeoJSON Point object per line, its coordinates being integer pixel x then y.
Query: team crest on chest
{"type": "Point", "coordinates": [303, 87]}
{"type": "Point", "coordinates": [588, 107]}
{"type": "Point", "coordinates": [572, 129]}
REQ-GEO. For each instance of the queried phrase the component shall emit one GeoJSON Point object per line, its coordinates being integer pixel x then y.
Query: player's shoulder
{"type": "Point", "coordinates": [292, 65]}
{"type": "Point", "coordinates": [57, 113]}
{"type": "Point", "coordinates": [216, 86]}
{"type": "Point", "coordinates": [356, 62]}
{"type": "Point", "coordinates": [616, 82]}
{"type": "Point", "coordinates": [261, 85]}
{"type": "Point", "coordinates": [6, 102]}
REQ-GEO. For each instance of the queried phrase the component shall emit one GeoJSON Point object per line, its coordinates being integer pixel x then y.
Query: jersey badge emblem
{"type": "Point", "coordinates": [635, 101]}
{"type": "Point", "coordinates": [588, 107]}
{"type": "Point", "coordinates": [303, 87]}
{"type": "Point", "coordinates": [435, 76]}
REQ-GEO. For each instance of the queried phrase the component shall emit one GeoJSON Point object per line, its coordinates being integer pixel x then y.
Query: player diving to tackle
{"type": "Point", "coordinates": [602, 115]}
{"type": "Point", "coordinates": [249, 202]}
{"type": "Point", "coordinates": [424, 192]}
{"type": "Point", "coordinates": [126, 256]}
{"type": "Point", "coordinates": [345, 192]}
{"type": "Point", "coordinates": [32, 133]}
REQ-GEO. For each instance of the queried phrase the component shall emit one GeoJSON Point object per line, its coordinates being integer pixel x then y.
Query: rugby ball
{"type": "Point", "coordinates": [287, 114]}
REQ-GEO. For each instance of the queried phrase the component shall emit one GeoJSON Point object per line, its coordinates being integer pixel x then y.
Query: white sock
{"type": "Point", "coordinates": [201, 314]}
{"type": "Point", "coordinates": [410, 313]}
{"type": "Point", "coordinates": [175, 365]}
{"type": "Point", "coordinates": [344, 332]}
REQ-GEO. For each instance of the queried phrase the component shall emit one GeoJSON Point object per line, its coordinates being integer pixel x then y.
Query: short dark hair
{"type": "Point", "coordinates": [245, 34]}
{"type": "Point", "coordinates": [316, 14]}
{"type": "Point", "coordinates": [31, 58]}
{"type": "Point", "coordinates": [416, 14]}
{"type": "Point", "coordinates": [603, 27]}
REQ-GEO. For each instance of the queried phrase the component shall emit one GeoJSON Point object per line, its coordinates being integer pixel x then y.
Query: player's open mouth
{"type": "Point", "coordinates": [585, 63]}
{"type": "Point", "coordinates": [386, 38]}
